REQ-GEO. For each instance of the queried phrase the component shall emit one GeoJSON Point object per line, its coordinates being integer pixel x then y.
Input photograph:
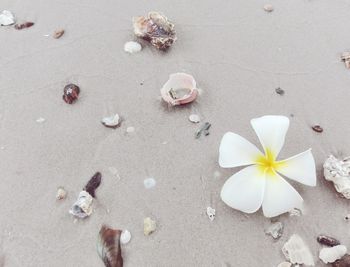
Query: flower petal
{"type": "Point", "coordinates": [244, 190]}
{"type": "Point", "coordinates": [279, 196]}
{"type": "Point", "coordinates": [271, 131]}
{"type": "Point", "coordinates": [300, 168]}
{"type": "Point", "coordinates": [237, 151]}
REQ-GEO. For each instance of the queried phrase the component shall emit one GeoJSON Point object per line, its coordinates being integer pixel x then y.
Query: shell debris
{"type": "Point", "coordinates": [296, 251]}
{"type": "Point", "coordinates": [149, 226]}
{"type": "Point", "coordinates": [108, 247]}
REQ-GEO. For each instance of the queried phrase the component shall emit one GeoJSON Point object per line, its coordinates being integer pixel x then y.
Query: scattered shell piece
{"type": "Point", "coordinates": [343, 262]}
{"type": "Point", "coordinates": [180, 89]}
{"type": "Point", "coordinates": [70, 93]}
{"type": "Point", "coordinates": [108, 247]}
{"type": "Point", "coordinates": [132, 47]}
{"type": "Point", "coordinates": [112, 121]}
{"type": "Point", "coordinates": [330, 255]}
{"type": "Point", "coordinates": [93, 184]}
{"type": "Point", "coordinates": [6, 18]}
{"type": "Point", "coordinates": [156, 29]}
{"type": "Point", "coordinates": [125, 237]}
{"type": "Point", "coordinates": [275, 230]}
{"type": "Point", "coordinates": [149, 183]}
{"type": "Point", "coordinates": [338, 171]}
{"type": "Point", "coordinates": [345, 56]}
{"type": "Point", "coordinates": [83, 206]}
{"type": "Point", "coordinates": [130, 129]}
{"type": "Point", "coordinates": [194, 118]}
{"type": "Point", "coordinates": [149, 226]}
{"type": "Point", "coordinates": [58, 34]}
{"type": "Point", "coordinates": [268, 8]}
{"type": "Point", "coordinates": [285, 264]}
{"type": "Point", "coordinates": [24, 25]}
{"type": "Point", "coordinates": [317, 128]}
{"type": "Point", "coordinates": [327, 240]}
{"type": "Point", "coordinates": [211, 213]}
{"type": "Point", "coordinates": [279, 91]}
{"type": "Point", "coordinates": [61, 193]}
{"type": "Point", "coordinates": [40, 120]}
{"type": "Point", "coordinates": [296, 251]}
{"type": "Point", "coordinates": [204, 129]}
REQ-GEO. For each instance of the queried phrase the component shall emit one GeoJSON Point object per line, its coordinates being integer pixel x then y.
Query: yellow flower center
{"type": "Point", "coordinates": [267, 163]}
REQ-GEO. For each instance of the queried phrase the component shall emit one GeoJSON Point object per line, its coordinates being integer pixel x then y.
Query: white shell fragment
{"type": "Point", "coordinates": [268, 8]}
{"type": "Point", "coordinates": [83, 206]}
{"type": "Point", "coordinates": [211, 213]}
{"type": "Point", "coordinates": [132, 47]}
{"type": "Point", "coordinates": [40, 120]}
{"type": "Point", "coordinates": [149, 226]}
{"type": "Point", "coordinates": [125, 237]}
{"type": "Point", "coordinates": [285, 264]}
{"type": "Point", "coordinates": [194, 118]}
{"type": "Point", "coordinates": [179, 89]}
{"type": "Point", "coordinates": [149, 183]}
{"type": "Point", "coordinates": [61, 193]}
{"type": "Point", "coordinates": [112, 121]}
{"type": "Point", "coordinates": [329, 255]}
{"type": "Point", "coordinates": [296, 251]}
{"type": "Point", "coordinates": [338, 171]}
{"type": "Point", "coordinates": [6, 18]}
{"type": "Point", "coordinates": [275, 230]}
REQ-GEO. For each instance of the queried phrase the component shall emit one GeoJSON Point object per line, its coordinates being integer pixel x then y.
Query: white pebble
{"type": "Point", "coordinates": [125, 237]}
{"type": "Point", "coordinates": [211, 213]}
{"type": "Point", "coordinates": [329, 255]}
{"type": "Point", "coordinates": [111, 121]}
{"type": "Point", "coordinates": [40, 120]}
{"type": "Point", "coordinates": [130, 129]}
{"type": "Point", "coordinates": [61, 193]}
{"type": "Point", "coordinates": [132, 47]}
{"type": "Point", "coordinates": [194, 118]}
{"type": "Point", "coordinates": [268, 8]}
{"type": "Point", "coordinates": [149, 183]}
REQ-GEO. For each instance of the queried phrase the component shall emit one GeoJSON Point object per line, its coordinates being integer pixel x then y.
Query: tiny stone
{"type": "Point", "coordinates": [61, 193]}
{"type": "Point", "coordinates": [70, 93]}
{"type": "Point", "coordinates": [268, 8]}
{"type": "Point", "coordinates": [279, 91]}
{"type": "Point", "coordinates": [194, 118]}
{"type": "Point", "coordinates": [132, 47]}
{"type": "Point", "coordinates": [149, 183]}
{"type": "Point", "coordinates": [58, 34]}
{"type": "Point", "coordinates": [275, 230]}
{"type": "Point", "coordinates": [211, 213]}
{"type": "Point", "coordinates": [130, 129]}
{"type": "Point", "coordinates": [24, 25]}
{"type": "Point", "coordinates": [317, 128]}
{"type": "Point", "coordinates": [327, 240]}
{"type": "Point", "coordinates": [347, 217]}
{"type": "Point", "coordinates": [149, 226]}
{"type": "Point", "coordinates": [125, 237]}
{"type": "Point", "coordinates": [40, 120]}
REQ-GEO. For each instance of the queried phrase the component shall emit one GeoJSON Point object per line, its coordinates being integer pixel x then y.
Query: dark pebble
{"type": "Point", "coordinates": [92, 185]}
{"type": "Point", "coordinates": [317, 128]}
{"type": "Point", "coordinates": [343, 262]}
{"type": "Point", "coordinates": [24, 25]}
{"type": "Point", "coordinates": [327, 240]}
{"type": "Point", "coordinates": [279, 91]}
{"type": "Point", "coordinates": [70, 93]}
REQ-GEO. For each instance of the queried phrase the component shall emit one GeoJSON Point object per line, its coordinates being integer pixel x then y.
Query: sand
{"type": "Point", "coordinates": [238, 54]}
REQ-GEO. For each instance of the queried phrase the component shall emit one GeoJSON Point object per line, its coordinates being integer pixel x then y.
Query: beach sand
{"type": "Point", "coordinates": [238, 53]}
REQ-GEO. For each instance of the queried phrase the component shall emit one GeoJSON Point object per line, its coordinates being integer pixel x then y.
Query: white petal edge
{"type": "Point", "coordinates": [300, 168]}
{"type": "Point", "coordinates": [236, 151]}
{"type": "Point", "coordinates": [279, 196]}
{"type": "Point", "coordinates": [244, 190]}
{"type": "Point", "coordinates": [271, 130]}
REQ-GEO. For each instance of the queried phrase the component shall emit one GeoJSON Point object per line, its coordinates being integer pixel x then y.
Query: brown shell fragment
{"type": "Point", "coordinates": [93, 184]}
{"type": "Point", "coordinates": [58, 34]}
{"type": "Point", "coordinates": [108, 247]}
{"type": "Point", "coordinates": [327, 240]}
{"type": "Point", "coordinates": [156, 29]}
{"type": "Point", "coordinates": [70, 93]}
{"type": "Point", "coordinates": [24, 25]}
{"type": "Point", "coordinates": [317, 128]}
{"type": "Point", "coordinates": [343, 262]}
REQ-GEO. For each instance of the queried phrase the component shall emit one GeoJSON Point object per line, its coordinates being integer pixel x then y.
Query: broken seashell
{"type": "Point", "coordinates": [24, 25]}
{"type": "Point", "coordinates": [61, 193]}
{"type": "Point", "coordinates": [93, 183]}
{"type": "Point", "coordinates": [108, 247]}
{"type": "Point", "coordinates": [194, 118]}
{"type": "Point", "coordinates": [156, 29]}
{"type": "Point", "coordinates": [149, 226]}
{"type": "Point", "coordinates": [179, 89]}
{"type": "Point", "coordinates": [285, 264]}
{"type": "Point", "coordinates": [125, 237]}
{"type": "Point", "coordinates": [330, 255]}
{"type": "Point", "coordinates": [70, 93]}
{"type": "Point", "coordinates": [58, 34]}
{"type": "Point", "coordinates": [83, 206]}
{"type": "Point", "coordinates": [345, 56]}
{"type": "Point", "coordinates": [132, 47]}
{"type": "Point", "coordinates": [211, 213]}
{"type": "Point", "coordinates": [317, 128]}
{"type": "Point", "coordinates": [149, 183]}
{"type": "Point", "coordinates": [338, 171]}
{"type": "Point", "coordinates": [275, 230]}
{"type": "Point", "coordinates": [112, 121]}
{"type": "Point", "coordinates": [343, 262]}
{"type": "Point", "coordinates": [6, 18]}
{"type": "Point", "coordinates": [296, 251]}
{"type": "Point", "coordinates": [327, 240]}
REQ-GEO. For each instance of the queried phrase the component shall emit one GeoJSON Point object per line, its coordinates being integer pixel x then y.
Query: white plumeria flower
{"type": "Point", "coordinates": [260, 183]}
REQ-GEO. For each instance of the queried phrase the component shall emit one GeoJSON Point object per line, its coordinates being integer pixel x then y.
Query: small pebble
{"type": "Point", "coordinates": [58, 34]}
{"type": "Point", "coordinates": [275, 230]}
{"type": "Point", "coordinates": [149, 183]}
{"type": "Point", "coordinates": [61, 193]}
{"type": "Point", "coordinates": [194, 118]}
{"type": "Point", "coordinates": [149, 226]}
{"type": "Point", "coordinates": [317, 128]}
{"type": "Point", "coordinates": [24, 25]}
{"type": "Point", "coordinates": [279, 91]}
{"type": "Point", "coordinates": [268, 8]}
{"type": "Point", "coordinates": [70, 93]}
{"type": "Point", "coordinates": [327, 240]}
{"type": "Point", "coordinates": [130, 129]}
{"type": "Point", "coordinates": [125, 237]}
{"type": "Point", "coordinates": [111, 121]}
{"type": "Point", "coordinates": [132, 47]}
{"type": "Point", "coordinates": [211, 213]}
{"type": "Point", "coordinates": [40, 120]}
{"type": "Point", "coordinates": [347, 217]}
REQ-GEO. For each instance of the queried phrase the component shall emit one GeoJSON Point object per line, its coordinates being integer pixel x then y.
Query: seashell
{"type": "Point", "coordinates": [132, 47]}
{"type": "Point", "coordinates": [108, 247]}
{"type": "Point", "coordinates": [24, 25]}
{"type": "Point", "coordinates": [6, 18]}
{"type": "Point", "coordinates": [211, 213]}
{"type": "Point", "coordinates": [149, 183]}
{"type": "Point", "coordinates": [112, 121]}
{"type": "Point", "coordinates": [268, 8]}
{"type": "Point", "coordinates": [343, 262]}
{"type": "Point", "coordinates": [194, 118]}
{"type": "Point", "coordinates": [93, 184]}
{"type": "Point", "coordinates": [125, 237]}
{"type": "Point", "coordinates": [149, 226]}
{"type": "Point", "coordinates": [275, 230]}
{"type": "Point", "coordinates": [317, 128]}
{"type": "Point", "coordinates": [285, 264]}
{"type": "Point", "coordinates": [327, 240]}
{"type": "Point", "coordinates": [58, 34]}
{"type": "Point", "coordinates": [83, 206]}
{"type": "Point", "coordinates": [61, 193]}
{"type": "Point", "coordinates": [296, 251]}
{"type": "Point", "coordinates": [338, 171]}
{"type": "Point", "coordinates": [330, 255]}
{"type": "Point", "coordinates": [155, 28]}
{"type": "Point", "coordinates": [70, 93]}
{"type": "Point", "coordinates": [179, 89]}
